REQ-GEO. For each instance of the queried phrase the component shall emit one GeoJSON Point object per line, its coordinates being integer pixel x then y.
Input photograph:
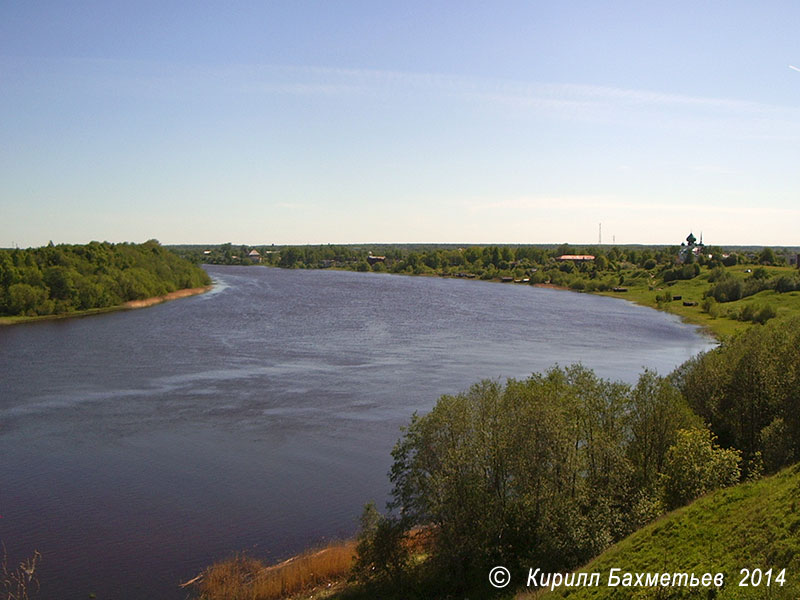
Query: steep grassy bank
{"type": "Point", "coordinates": [750, 526]}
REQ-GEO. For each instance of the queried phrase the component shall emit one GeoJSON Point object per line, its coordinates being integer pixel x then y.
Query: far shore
{"type": "Point", "coordinates": [132, 304]}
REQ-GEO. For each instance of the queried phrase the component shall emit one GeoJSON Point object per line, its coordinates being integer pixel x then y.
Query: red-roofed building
{"type": "Point", "coordinates": [576, 257]}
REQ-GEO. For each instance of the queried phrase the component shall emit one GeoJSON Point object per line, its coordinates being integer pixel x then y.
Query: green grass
{"type": "Point", "coordinates": [753, 525]}
{"type": "Point", "coordinates": [644, 291]}
{"type": "Point", "coordinates": [692, 290]}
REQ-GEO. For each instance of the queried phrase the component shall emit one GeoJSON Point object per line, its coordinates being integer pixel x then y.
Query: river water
{"type": "Point", "coordinates": [138, 447]}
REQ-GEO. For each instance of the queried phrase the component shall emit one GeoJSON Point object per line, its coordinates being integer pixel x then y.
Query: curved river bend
{"type": "Point", "coordinates": [138, 447]}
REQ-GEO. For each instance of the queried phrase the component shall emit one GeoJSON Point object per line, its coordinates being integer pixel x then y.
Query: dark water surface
{"type": "Point", "coordinates": [138, 447]}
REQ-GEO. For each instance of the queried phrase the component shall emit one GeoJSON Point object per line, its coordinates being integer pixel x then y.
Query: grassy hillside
{"type": "Point", "coordinates": [753, 525]}
{"type": "Point", "coordinates": [725, 318]}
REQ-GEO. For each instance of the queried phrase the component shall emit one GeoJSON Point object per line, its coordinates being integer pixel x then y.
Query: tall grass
{"type": "Point", "coordinates": [244, 578]}
{"type": "Point", "coordinates": [19, 583]}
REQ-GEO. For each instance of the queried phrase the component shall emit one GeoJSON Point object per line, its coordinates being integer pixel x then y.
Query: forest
{"type": "Point", "coordinates": [62, 279]}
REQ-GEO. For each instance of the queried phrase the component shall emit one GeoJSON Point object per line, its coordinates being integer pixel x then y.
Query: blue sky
{"type": "Point", "coordinates": [352, 122]}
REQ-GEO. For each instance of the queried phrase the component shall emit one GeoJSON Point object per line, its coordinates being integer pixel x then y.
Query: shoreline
{"type": "Point", "coordinates": [184, 293]}
{"type": "Point", "coordinates": [130, 305]}
{"type": "Point", "coordinates": [704, 328]}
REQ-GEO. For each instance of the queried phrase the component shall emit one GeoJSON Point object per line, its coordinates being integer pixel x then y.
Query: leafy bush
{"type": "Point", "coordinates": [709, 305]}
{"type": "Point", "coordinates": [718, 274]}
{"type": "Point", "coordinates": [787, 283]}
{"type": "Point", "coordinates": [756, 313]}
{"type": "Point", "coordinates": [577, 284]}
{"type": "Point", "coordinates": [695, 465]}
{"type": "Point", "coordinates": [382, 552]}
{"type": "Point", "coordinates": [727, 290]}
{"type": "Point", "coordinates": [688, 271]}
{"type": "Point", "coordinates": [666, 297]}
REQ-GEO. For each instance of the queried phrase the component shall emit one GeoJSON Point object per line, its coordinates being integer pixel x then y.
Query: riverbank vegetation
{"type": "Point", "coordinates": [247, 578]}
{"type": "Point", "coordinates": [722, 289]}
{"type": "Point", "coordinates": [553, 470]}
{"type": "Point", "coordinates": [69, 279]}
{"type": "Point", "coordinates": [22, 582]}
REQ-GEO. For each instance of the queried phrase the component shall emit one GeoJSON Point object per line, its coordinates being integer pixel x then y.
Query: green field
{"type": "Point", "coordinates": [645, 289]}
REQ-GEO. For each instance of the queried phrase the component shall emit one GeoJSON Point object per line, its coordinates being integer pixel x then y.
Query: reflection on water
{"type": "Point", "coordinates": [137, 447]}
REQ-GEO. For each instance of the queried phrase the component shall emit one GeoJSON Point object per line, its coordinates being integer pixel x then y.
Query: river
{"type": "Point", "coordinates": [138, 447]}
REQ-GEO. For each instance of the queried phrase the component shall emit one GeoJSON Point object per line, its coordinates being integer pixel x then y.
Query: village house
{"type": "Point", "coordinates": [575, 257]}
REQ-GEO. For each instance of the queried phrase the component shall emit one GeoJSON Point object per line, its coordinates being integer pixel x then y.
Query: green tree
{"type": "Point", "coordinates": [766, 257]}
{"type": "Point", "coordinates": [24, 299]}
{"type": "Point", "coordinates": [657, 411]}
{"type": "Point", "coordinates": [695, 465]}
{"type": "Point", "coordinates": [60, 280]}
{"type": "Point", "coordinates": [382, 551]}
{"type": "Point", "coordinates": [291, 257]}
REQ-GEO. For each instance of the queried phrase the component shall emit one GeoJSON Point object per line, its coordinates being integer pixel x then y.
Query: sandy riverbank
{"type": "Point", "coordinates": [552, 286]}
{"type": "Point", "coordinates": [167, 297]}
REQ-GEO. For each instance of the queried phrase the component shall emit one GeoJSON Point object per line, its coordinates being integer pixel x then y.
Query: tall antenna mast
{"type": "Point", "coordinates": [600, 233]}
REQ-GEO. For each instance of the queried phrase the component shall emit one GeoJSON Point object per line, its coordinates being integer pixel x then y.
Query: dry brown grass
{"type": "Point", "coordinates": [243, 578]}
{"type": "Point", "coordinates": [19, 583]}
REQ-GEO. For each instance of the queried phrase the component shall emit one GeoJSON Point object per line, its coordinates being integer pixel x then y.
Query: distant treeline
{"type": "Point", "coordinates": [538, 263]}
{"type": "Point", "coordinates": [551, 470]}
{"type": "Point", "coordinates": [67, 278]}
